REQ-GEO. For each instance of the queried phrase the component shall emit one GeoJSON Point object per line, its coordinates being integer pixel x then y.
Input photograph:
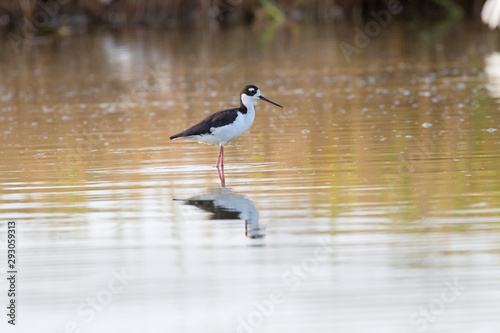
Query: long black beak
{"type": "Point", "coordinates": [265, 99]}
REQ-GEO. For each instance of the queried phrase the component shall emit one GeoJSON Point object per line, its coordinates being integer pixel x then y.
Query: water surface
{"type": "Point", "coordinates": [371, 202]}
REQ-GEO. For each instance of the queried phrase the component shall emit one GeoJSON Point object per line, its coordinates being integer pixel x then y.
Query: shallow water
{"type": "Point", "coordinates": [371, 202]}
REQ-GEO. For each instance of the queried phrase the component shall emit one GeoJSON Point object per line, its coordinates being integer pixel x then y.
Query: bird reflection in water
{"type": "Point", "coordinates": [224, 205]}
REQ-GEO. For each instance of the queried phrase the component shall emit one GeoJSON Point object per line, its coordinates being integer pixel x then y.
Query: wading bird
{"type": "Point", "coordinates": [223, 126]}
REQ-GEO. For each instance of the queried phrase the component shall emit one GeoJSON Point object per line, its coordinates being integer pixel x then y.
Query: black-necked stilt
{"type": "Point", "coordinates": [225, 125]}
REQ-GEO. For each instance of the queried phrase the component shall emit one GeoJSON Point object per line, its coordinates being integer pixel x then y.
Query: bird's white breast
{"type": "Point", "coordinates": [223, 134]}
{"type": "Point", "coordinates": [235, 129]}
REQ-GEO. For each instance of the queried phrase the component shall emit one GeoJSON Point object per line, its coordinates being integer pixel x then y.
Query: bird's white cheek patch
{"type": "Point", "coordinates": [247, 100]}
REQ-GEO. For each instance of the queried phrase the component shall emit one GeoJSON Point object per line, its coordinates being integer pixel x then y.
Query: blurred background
{"type": "Point", "coordinates": [370, 202]}
{"type": "Point", "coordinates": [92, 14]}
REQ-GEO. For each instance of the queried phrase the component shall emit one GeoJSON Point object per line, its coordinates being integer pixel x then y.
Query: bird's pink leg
{"type": "Point", "coordinates": [220, 172]}
{"type": "Point", "coordinates": [220, 162]}
{"type": "Point", "coordinates": [222, 156]}
{"type": "Point", "coordinates": [218, 157]}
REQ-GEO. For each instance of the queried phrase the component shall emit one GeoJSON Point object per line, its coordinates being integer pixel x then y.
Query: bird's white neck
{"type": "Point", "coordinates": [247, 101]}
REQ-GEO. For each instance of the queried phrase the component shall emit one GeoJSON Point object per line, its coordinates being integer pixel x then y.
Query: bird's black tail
{"type": "Point", "coordinates": [176, 136]}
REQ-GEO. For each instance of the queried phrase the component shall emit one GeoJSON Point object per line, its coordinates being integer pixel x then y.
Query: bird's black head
{"type": "Point", "coordinates": [250, 90]}
{"type": "Point", "coordinates": [250, 94]}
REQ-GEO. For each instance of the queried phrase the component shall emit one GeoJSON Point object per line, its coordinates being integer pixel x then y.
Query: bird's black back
{"type": "Point", "coordinates": [217, 119]}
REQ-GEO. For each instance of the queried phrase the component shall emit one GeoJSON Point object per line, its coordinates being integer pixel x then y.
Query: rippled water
{"type": "Point", "coordinates": [371, 202]}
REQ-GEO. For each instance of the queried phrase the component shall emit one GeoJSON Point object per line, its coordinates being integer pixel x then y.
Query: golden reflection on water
{"type": "Point", "coordinates": [395, 154]}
